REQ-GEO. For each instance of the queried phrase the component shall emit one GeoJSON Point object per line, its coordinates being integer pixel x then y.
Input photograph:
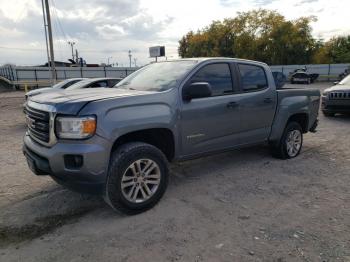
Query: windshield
{"type": "Point", "coordinates": [158, 77]}
{"type": "Point", "coordinates": [345, 81]}
{"type": "Point", "coordinates": [80, 84]}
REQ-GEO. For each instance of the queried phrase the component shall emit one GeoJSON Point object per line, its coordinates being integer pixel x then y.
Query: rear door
{"type": "Point", "coordinates": [211, 123]}
{"type": "Point", "coordinates": [258, 103]}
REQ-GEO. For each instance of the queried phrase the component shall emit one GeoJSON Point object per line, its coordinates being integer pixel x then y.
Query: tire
{"type": "Point", "coordinates": [328, 114]}
{"type": "Point", "coordinates": [281, 149]}
{"type": "Point", "coordinates": [129, 178]}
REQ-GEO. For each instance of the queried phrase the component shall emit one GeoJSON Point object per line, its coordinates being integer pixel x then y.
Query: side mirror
{"type": "Point", "coordinates": [336, 82]}
{"type": "Point", "coordinates": [196, 90]}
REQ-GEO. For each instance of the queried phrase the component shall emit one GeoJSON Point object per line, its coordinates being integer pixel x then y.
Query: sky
{"type": "Point", "coordinates": [105, 29]}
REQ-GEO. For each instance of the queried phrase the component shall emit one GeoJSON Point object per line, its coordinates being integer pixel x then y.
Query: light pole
{"type": "Point", "coordinates": [135, 59]}
{"type": "Point", "coordinates": [71, 45]}
{"type": "Point", "coordinates": [130, 58]}
{"type": "Point", "coordinates": [108, 60]}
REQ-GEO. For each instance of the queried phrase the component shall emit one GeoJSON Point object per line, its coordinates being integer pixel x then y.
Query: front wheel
{"type": "Point", "coordinates": [137, 178]}
{"type": "Point", "coordinates": [290, 143]}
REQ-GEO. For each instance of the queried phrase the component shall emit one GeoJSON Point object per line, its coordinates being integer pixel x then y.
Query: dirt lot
{"type": "Point", "coordinates": [238, 206]}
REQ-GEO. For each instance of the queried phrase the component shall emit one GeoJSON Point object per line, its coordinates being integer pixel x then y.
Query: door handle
{"type": "Point", "coordinates": [232, 105]}
{"type": "Point", "coordinates": [268, 100]}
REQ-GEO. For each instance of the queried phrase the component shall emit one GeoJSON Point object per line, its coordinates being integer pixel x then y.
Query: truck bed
{"type": "Point", "coordinates": [302, 101]}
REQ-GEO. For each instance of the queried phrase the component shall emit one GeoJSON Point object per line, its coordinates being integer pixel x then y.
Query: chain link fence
{"type": "Point", "coordinates": [327, 72]}
{"type": "Point", "coordinates": [40, 76]}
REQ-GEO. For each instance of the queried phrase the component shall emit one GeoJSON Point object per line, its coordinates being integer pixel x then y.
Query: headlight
{"type": "Point", "coordinates": [75, 127]}
{"type": "Point", "coordinates": [325, 92]}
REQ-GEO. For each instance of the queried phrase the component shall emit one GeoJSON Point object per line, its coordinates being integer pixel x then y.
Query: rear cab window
{"type": "Point", "coordinates": [218, 75]}
{"type": "Point", "coordinates": [253, 77]}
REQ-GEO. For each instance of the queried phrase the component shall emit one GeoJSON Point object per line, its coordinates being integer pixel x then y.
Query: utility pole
{"type": "Point", "coordinates": [71, 45]}
{"type": "Point", "coordinates": [108, 60]}
{"type": "Point", "coordinates": [45, 29]}
{"type": "Point", "coordinates": [130, 58]}
{"type": "Point", "coordinates": [49, 31]}
{"type": "Point", "coordinates": [76, 56]}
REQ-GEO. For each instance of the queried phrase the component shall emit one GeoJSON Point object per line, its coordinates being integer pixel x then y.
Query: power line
{"type": "Point", "coordinates": [58, 20]}
{"type": "Point", "coordinates": [22, 49]}
{"type": "Point", "coordinates": [42, 49]}
{"type": "Point", "coordinates": [56, 31]}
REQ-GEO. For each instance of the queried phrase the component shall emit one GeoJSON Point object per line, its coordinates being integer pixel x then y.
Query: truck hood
{"type": "Point", "coordinates": [40, 91]}
{"type": "Point", "coordinates": [338, 88]}
{"type": "Point", "coordinates": [71, 101]}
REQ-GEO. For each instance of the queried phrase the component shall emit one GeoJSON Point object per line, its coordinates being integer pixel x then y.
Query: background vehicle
{"type": "Point", "coordinates": [120, 140]}
{"type": "Point", "coordinates": [344, 74]}
{"type": "Point", "coordinates": [336, 99]}
{"type": "Point", "coordinates": [75, 83]}
{"type": "Point", "coordinates": [303, 77]}
{"type": "Point", "coordinates": [105, 82]}
{"type": "Point", "coordinates": [59, 86]}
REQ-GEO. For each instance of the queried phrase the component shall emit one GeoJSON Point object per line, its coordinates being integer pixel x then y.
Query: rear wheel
{"type": "Point", "coordinates": [137, 178]}
{"type": "Point", "coordinates": [290, 143]}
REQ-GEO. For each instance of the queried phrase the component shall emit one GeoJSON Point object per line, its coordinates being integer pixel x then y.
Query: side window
{"type": "Point", "coordinates": [99, 84]}
{"type": "Point", "coordinates": [253, 77]}
{"type": "Point", "coordinates": [218, 76]}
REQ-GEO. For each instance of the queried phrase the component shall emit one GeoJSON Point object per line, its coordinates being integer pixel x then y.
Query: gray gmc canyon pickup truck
{"type": "Point", "coordinates": [120, 140]}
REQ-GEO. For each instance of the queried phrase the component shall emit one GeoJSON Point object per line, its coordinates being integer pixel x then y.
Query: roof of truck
{"type": "Point", "coordinates": [200, 59]}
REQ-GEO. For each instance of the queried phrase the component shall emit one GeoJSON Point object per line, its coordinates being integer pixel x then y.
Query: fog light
{"type": "Point", "coordinates": [73, 161]}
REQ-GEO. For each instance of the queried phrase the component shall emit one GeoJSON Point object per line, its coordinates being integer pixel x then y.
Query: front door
{"type": "Point", "coordinates": [211, 123]}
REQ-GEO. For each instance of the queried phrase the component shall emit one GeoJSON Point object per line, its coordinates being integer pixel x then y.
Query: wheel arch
{"type": "Point", "coordinates": [162, 138]}
{"type": "Point", "coordinates": [302, 119]}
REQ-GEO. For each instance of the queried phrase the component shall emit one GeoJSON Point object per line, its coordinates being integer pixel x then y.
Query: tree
{"type": "Point", "coordinates": [261, 34]}
{"type": "Point", "coordinates": [338, 49]}
{"type": "Point", "coordinates": [335, 50]}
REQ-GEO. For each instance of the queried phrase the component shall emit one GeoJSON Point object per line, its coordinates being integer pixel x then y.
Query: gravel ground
{"type": "Point", "coordinates": [239, 206]}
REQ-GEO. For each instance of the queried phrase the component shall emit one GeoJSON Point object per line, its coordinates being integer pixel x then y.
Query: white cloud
{"type": "Point", "coordinates": [103, 28]}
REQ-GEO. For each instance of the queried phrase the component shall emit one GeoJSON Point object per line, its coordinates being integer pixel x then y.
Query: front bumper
{"type": "Point", "coordinates": [335, 105]}
{"type": "Point", "coordinates": [88, 177]}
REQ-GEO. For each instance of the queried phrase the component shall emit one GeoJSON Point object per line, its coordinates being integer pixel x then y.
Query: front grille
{"type": "Point", "coordinates": [338, 107]}
{"type": "Point", "coordinates": [38, 123]}
{"type": "Point", "coordinates": [339, 95]}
